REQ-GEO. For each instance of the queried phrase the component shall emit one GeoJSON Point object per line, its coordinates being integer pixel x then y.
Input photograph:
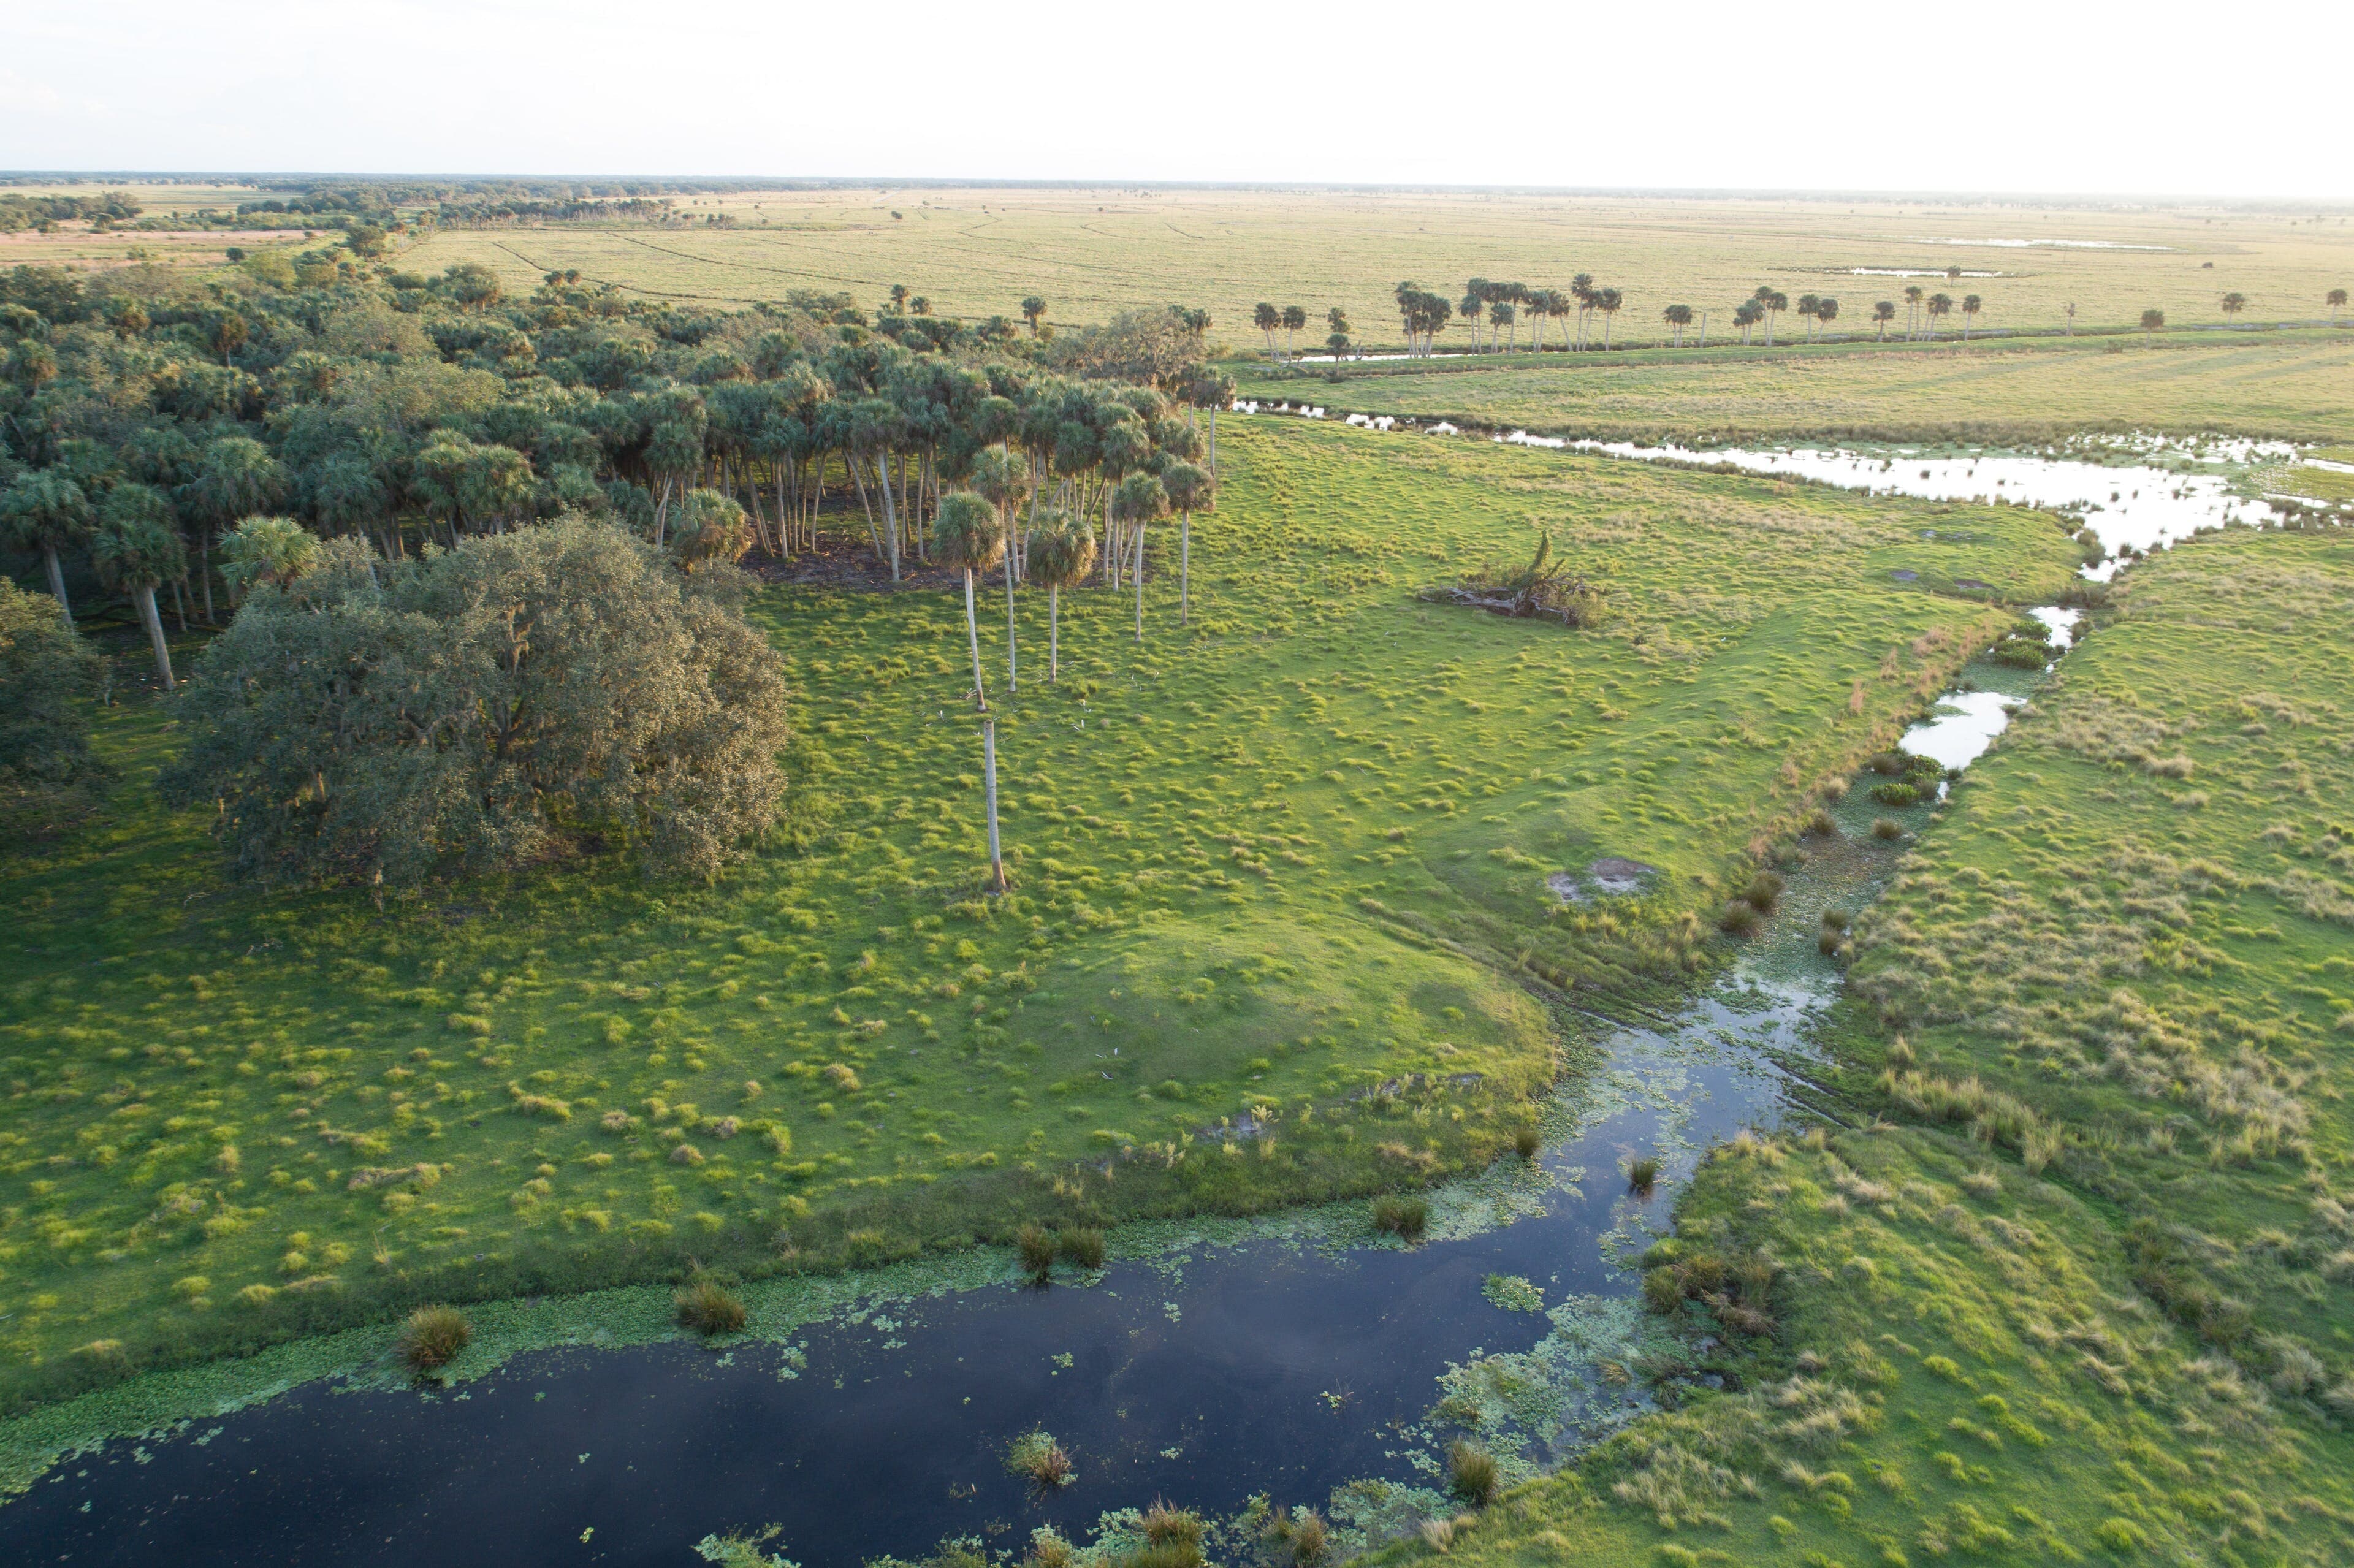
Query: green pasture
{"type": "Point", "coordinates": [1270, 863]}
{"type": "Point", "coordinates": [2069, 1284]}
{"type": "Point", "coordinates": [2289, 384]}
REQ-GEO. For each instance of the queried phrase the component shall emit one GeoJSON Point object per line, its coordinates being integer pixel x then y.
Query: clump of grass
{"type": "Point", "coordinates": [1471, 1473]}
{"type": "Point", "coordinates": [1037, 1455]}
{"type": "Point", "coordinates": [1405, 1218]}
{"type": "Point", "coordinates": [1642, 1175]}
{"type": "Point", "coordinates": [1738, 918]}
{"type": "Point", "coordinates": [1048, 1548]}
{"type": "Point", "coordinates": [1887, 828]}
{"type": "Point", "coordinates": [1083, 1246]}
{"type": "Point", "coordinates": [434, 1336]}
{"type": "Point", "coordinates": [1890, 764]}
{"type": "Point", "coordinates": [705, 1307]}
{"type": "Point", "coordinates": [1527, 1142]}
{"type": "Point", "coordinates": [1819, 824]}
{"type": "Point", "coordinates": [1172, 1539]}
{"type": "Point", "coordinates": [1763, 892]}
{"type": "Point", "coordinates": [1035, 1245]}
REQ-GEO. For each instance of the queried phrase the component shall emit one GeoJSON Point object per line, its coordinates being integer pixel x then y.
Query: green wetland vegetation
{"type": "Point", "coordinates": [1304, 903]}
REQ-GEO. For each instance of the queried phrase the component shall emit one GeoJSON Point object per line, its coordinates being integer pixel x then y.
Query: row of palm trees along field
{"type": "Point", "coordinates": [1501, 308]}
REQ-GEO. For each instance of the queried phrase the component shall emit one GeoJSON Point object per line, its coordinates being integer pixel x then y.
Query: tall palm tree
{"type": "Point", "coordinates": [45, 511]}
{"type": "Point", "coordinates": [1062, 554]}
{"type": "Point", "coordinates": [1882, 314]}
{"type": "Point", "coordinates": [1826, 312]}
{"type": "Point", "coordinates": [1188, 487]}
{"type": "Point", "coordinates": [1338, 320]}
{"type": "Point", "coordinates": [1745, 315]}
{"type": "Point", "coordinates": [1034, 309]}
{"type": "Point", "coordinates": [1609, 302]}
{"type": "Point", "coordinates": [1002, 479]}
{"type": "Point", "coordinates": [1469, 308]}
{"type": "Point", "coordinates": [1141, 498]}
{"type": "Point", "coordinates": [1971, 305]}
{"type": "Point", "coordinates": [134, 548]}
{"type": "Point", "coordinates": [1913, 295]}
{"type": "Point", "coordinates": [1294, 318]}
{"type": "Point", "coordinates": [1678, 317]}
{"type": "Point", "coordinates": [1501, 315]}
{"type": "Point", "coordinates": [2235, 303]}
{"type": "Point", "coordinates": [1267, 318]}
{"type": "Point", "coordinates": [1773, 301]}
{"type": "Point", "coordinates": [2336, 301]}
{"type": "Point", "coordinates": [1581, 289]}
{"type": "Point", "coordinates": [1939, 307]}
{"type": "Point", "coordinates": [966, 538]}
{"type": "Point", "coordinates": [1807, 303]}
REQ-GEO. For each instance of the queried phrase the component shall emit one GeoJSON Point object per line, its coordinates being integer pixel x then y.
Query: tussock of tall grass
{"type": "Point", "coordinates": [1041, 1460]}
{"type": "Point", "coordinates": [1405, 1218]}
{"type": "Point", "coordinates": [434, 1336]}
{"type": "Point", "coordinates": [706, 1306]}
{"type": "Point", "coordinates": [1471, 1473]}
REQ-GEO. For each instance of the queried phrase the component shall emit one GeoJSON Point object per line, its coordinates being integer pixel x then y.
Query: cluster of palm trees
{"type": "Point", "coordinates": [1504, 305]}
{"type": "Point", "coordinates": [1286, 320]}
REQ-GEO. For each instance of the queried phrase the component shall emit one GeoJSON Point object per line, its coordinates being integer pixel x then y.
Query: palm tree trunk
{"type": "Point", "coordinates": [1138, 568]}
{"type": "Point", "coordinates": [155, 632]}
{"type": "Point", "coordinates": [58, 584]}
{"type": "Point", "coordinates": [1012, 675]}
{"type": "Point", "coordinates": [972, 631]}
{"type": "Point", "coordinates": [989, 774]}
{"type": "Point", "coordinates": [1184, 563]}
{"type": "Point", "coordinates": [891, 519]}
{"type": "Point", "coordinates": [1053, 632]}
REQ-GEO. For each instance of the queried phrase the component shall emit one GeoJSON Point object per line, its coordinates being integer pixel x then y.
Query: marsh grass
{"type": "Point", "coordinates": [1082, 1245]}
{"type": "Point", "coordinates": [706, 1307]}
{"type": "Point", "coordinates": [1042, 1461]}
{"type": "Point", "coordinates": [1471, 1473]}
{"type": "Point", "coordinates": [1405, 1218]}
{"type": "Point", "coordinates": [1527, 1142]}
{"type": "Point", "coordinates": [1642, 1175]}
{"type": "Point", "coordinates": [1887, 828]}
{"type": "Point", "coordinates": [432, 1337]}
{"type": "Point", "coordinates": [1033, 1245]}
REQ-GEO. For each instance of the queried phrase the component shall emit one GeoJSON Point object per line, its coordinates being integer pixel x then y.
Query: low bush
{"type": "Point", "coordinates": [1405, 1218]}
{"type": "Point", "coordinates": [1763, 892]}
{"type": "Point", "coordinates": [1887, 828]}
{"type": "Point", "coordinates": [434, 1336]}
{"type": "Point", "coordinates": [1820, 825]}
{"type": "Point", "coordinates": [1526, 1142]}
{"type": "Point", "coordinates": [1738, 918]}
{"type": "Point", "coordinates": [1896, 792]}
{"type": "Point", "coordinates": [705, 1307]}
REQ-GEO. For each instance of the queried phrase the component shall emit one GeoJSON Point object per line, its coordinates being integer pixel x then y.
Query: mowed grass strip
{"type": "Point", "coordinates": [2081, 1296]}
{"type": "Point", "coordinates": [1264, 866]}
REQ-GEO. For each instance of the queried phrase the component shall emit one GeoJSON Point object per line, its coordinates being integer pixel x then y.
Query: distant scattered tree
{"type": "Point", "coordinates": [136, 549]}
{"type": "Point", "coordinates": [2235, 303]}
{"type": "Point", "coordinates": [1971, 305]}
{"type": "Point", "coordinates": [1882, 313]}
{"type": "Point", "coordinates": [1501, 316]}
{"type": "Point", "coordinates": [1807, 303]}
{"type": "Point", "coordinates": [1338, 320]}
{"type": "Point", "coordinates": [1267, 318]}
{"type": "Point", "coordinates": [2336, 301]}
{"type": "Point", "coordinates": [1190, 489]}
{"type": "Point", "coordinates": [2152, 319]}
{"type": "Point", "coordinates": [1773, 301]}
{"type": "Point", "coordinates": [1826, 312]}
{"type": "Point", "coordinates": [898, 295]}
{"type": "Point", "coordinates": [1338, 346]}
{"type": "Point", "coordinates": [1293, 319]}
{"type": "Point", "coordinates": [1745, 315]}
{"type": "Point", "coordinates": [1953, 274]}
{"type": "Point", "coordinates": [1472, 308]}
{"type": "Point", "coordinates": [1609, 302]}
{"type": "Point", "coordinates": [1678, 317]}
{"type": "Point", "coordinates": [1914, 296]}
{"type": "Point", "coordinates": [1581, 290]}
{"type": "Point", "coordinates": [1939, 307]}
{"type": "Point", "coordinates": [44, 512]}
{"type": "Point", "coordinates": [1062, 553]}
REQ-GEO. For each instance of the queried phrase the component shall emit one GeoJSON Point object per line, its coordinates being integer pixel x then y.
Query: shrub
{"type": "Point", "coordinates": [1405, 1218]}
{"type": "Point", "coordinates": [1082, 1245]}
{"type": "Point", "coordinates": [1763, 892]}
{"type": "Point", "coordinates": [434, 1336]}
{"type": "Point", "coordinates": [1036, 1244]}
{"type": "Point", "coordinates": [1820, 825]}
{"type": "Point", "coordinates": [1642, 1175]}
{"type": "Point", "coordinates": [1738, 918]}
{"type": "Point", "coordinates": [1891, 764]}
{"type": "Point", "coordinates": [47, 775]}
{"type": "Point", "coordinates": [1896, 792]}
{"type": "Point", "coordinates": [1527, 1142]}
{"type": "Point", "coordinates": [1887, 828]}
{"type": "Point", "coordinates": [1048, 1548]}
{"type": "Point", "coordinates": [1837, 920]}
{"type": "Point", "coordinates": [1471, 1473]}
{"type": "Point", "coordinates": [705, 1307]}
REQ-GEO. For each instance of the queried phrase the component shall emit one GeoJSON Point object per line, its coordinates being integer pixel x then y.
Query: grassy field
{"type": "Point", "coordinates": [1092, 252]}
{"type": "Point", "coordinates": [2289, 384]}
{"type": "Point", "coordinates": [2082, 1298]}
{"type": "Point", "coordinates": [1265, 863]}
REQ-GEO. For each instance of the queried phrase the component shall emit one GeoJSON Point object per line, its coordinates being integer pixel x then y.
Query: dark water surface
{"type": "Point", "coordinates": [1270, 1366]}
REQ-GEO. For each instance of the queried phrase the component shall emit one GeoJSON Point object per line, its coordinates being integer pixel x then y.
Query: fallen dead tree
{"type": "Point", "coordinates": [1542, 591]}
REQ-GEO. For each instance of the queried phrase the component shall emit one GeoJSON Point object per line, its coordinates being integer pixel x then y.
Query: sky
{"type": "Point", "coordinates": [2056, 96]}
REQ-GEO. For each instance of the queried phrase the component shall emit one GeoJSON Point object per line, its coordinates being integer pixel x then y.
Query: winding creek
{"type": "Point", "coordinates": [1294, 1356]}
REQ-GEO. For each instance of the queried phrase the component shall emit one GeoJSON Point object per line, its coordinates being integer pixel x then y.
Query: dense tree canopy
{"type": "Point", "coordinates": [376, 722]}
{"type": "Point", "coordinates": [46, 771]}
